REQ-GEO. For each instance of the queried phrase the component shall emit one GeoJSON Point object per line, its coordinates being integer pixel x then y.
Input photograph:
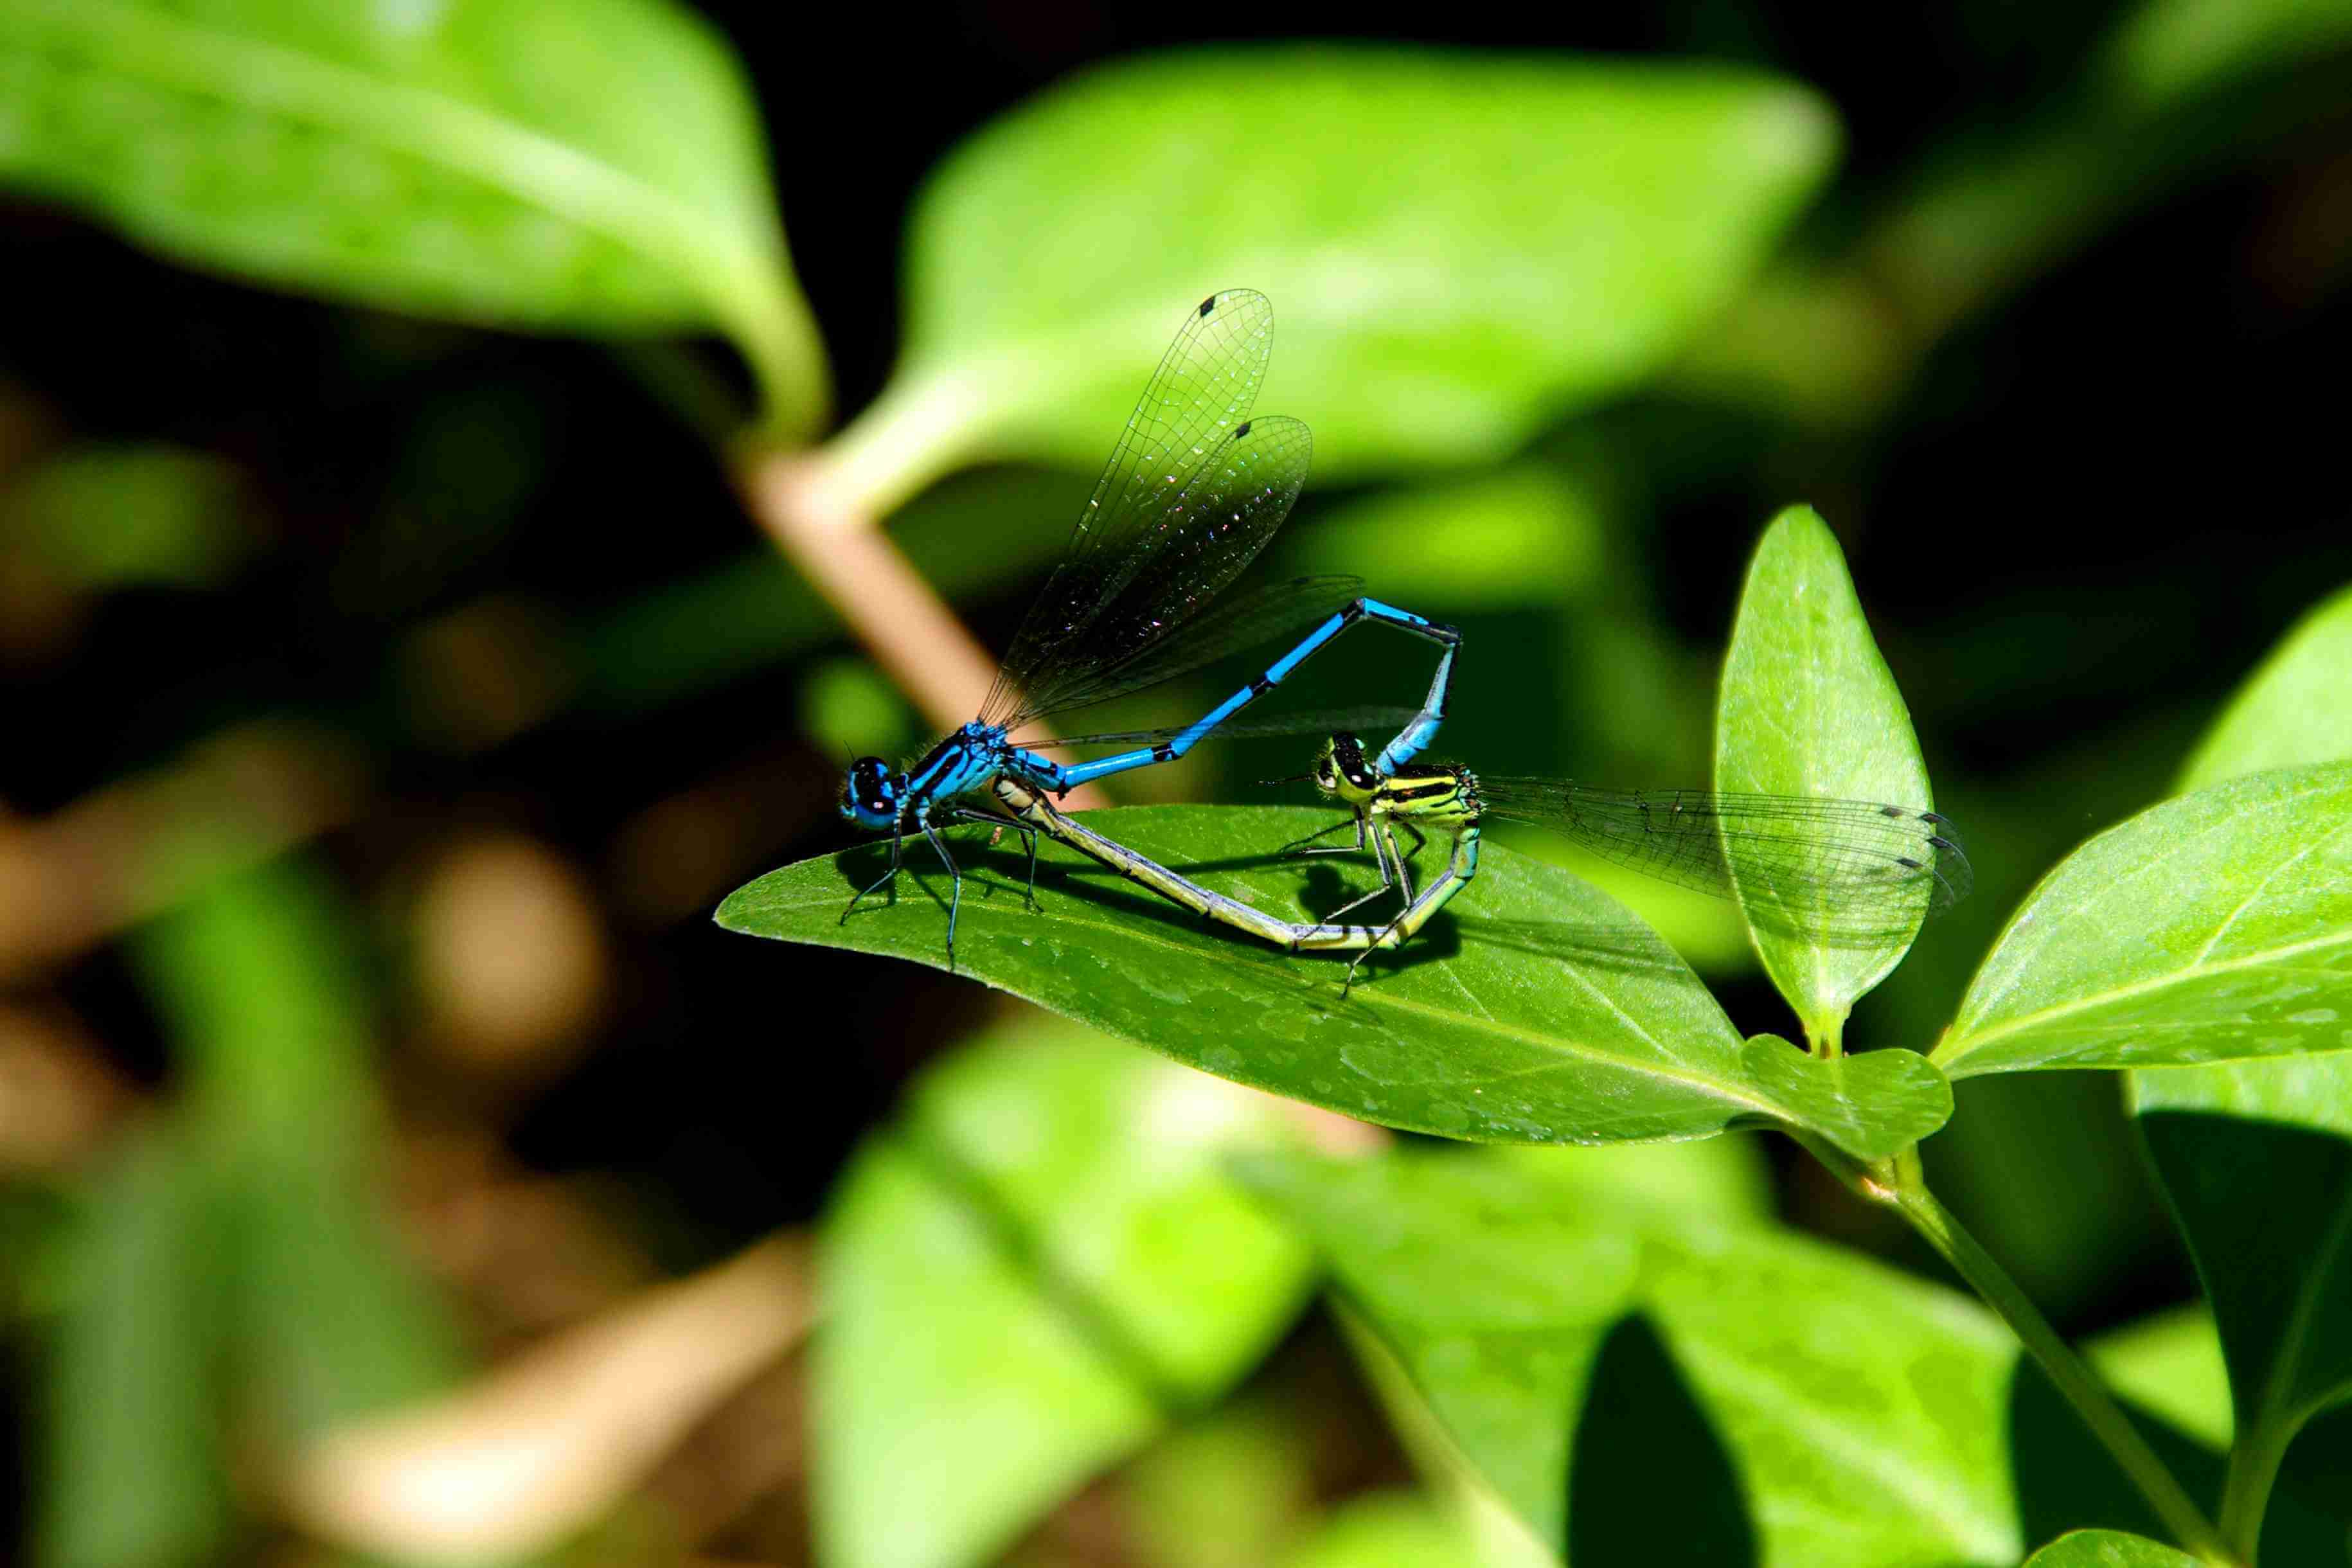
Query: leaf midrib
{"type": "Point", "coordinates": [1495, 1027]}
{"type": "Point", "coordinates": [1969, 1044]}
{"type": "Point", "coordinates": [529, 166]}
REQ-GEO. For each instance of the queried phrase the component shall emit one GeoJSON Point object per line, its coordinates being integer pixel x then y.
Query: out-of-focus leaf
{"type": "Point", "coordinates": [1526, 535]}
{"type": "Point", "coordinates": [1543, 1012]}
{"type": "Point", "coordinates": [849, 709]}
{"type": "Point", "coordinates": [595, 166]}
{"type": "Point", "coordinates": [2213, 927]}
{"type": "Point", "coordinates": [1808, 708]}
{"type": "Point", "coordinates": [2109, 1549]}
{"type": "Point", "coordinates": [2169, 1364]}
{"type": "Point", "coordinates": [2291, 712]}
{"type": "Point", "coordinates": [1860, 1411]}
{"type": "Point", "coordinates": [2167, 49]}
{"type": "Point", "coordinates": [1387, 1529]}
{"type": "Point", "coordinates": [107, 516]}
{"type": "Point", "coordinates": [136, 1469]}
{"type": "Point", "coordinates": [1871, 1106]}
{"type": "Point", "coordinates": [1458, 247]}
{"type": "Point", "coordinates": [264, 996]}
{"type": "Point", "coordinates": [1026, 1276]}
{"type": "Point", "coordinates": [1229, 1487]}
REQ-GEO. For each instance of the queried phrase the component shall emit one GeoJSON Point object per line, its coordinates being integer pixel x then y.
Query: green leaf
{"type": "Point", "coordinates": [2255, 1157]}
{"type": "Point", "coordinates": [334, 1320]}
{"type": "Point", "coordinates": [1026, 1276]}
{"type": "Point", "coordinates": [1524, 535]}
{"type": "Point", "coordinates": [136, 1464]}
{"type": "Point", "coordinates": [593, 167]}
{"type": "Point", "coordinates": [1808, 708]}
{"type": "Point", "coordinates": [2109, 1549]}
{"type": "Point", "coordinates": [1860, 1410]}
{"type": "Point", "coordinates": [1540, 1012]}
{"type": "Point", "coordinates": [1459, 248]}
{"type": "Point", "coordinates": [2256, 1161]}
{"type": "Point", "coordinates": [1387, 1529]}
{"type": "Point", "coordinates": [1872, 1106]}
{"type": "Point", "coordinates": [2290, 712]}
{"type": "Point", "coordinates": [2169, 1364]}
{"type": "Point", "coordinates": [2169, 49]}
{"type": "Point", "coordinates": [2213, 927]}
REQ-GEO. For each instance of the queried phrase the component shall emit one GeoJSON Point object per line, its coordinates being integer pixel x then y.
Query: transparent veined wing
{"type": "Point", "coordinates": [1308, 721]}
{"type": "Point", "coordinates": [1836, 868]}
{"type": "Point", "coordinates": [1186, 449]}
{"type": "Point", "coordinates": [1277, 616]}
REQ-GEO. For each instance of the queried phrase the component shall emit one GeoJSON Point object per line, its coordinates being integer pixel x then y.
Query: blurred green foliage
{"type": "Point", "coordinates": [1603, 315]}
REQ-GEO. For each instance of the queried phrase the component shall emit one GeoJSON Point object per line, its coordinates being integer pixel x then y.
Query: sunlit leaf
{"type": "Point", "coordinates": [2256, 1156]}
{"type": "Point", "coordinates": [1458, 247]}
{"type": "Point", "coordinates": [2212, 927]}
{"type": "Point", "coordinates": [1026, 1275]}
{"type": "Point", "coordinates": [2169, 1364]}
{"type": "Point", "coordinates": [1536, 1010]}
{"type": "Point", "coordinates": [594, 166]}
{"type": "Point", "coordinates": [1808, 708]}
{"type": "Point", "coordinates": [2292, 711]}
{"type": "Point", "coordinates": [1860, 1411]}
{"type": "Point", "coordinates": [2109, 1549]}
{"type": "Point", "coordinates": [1870, 1105]}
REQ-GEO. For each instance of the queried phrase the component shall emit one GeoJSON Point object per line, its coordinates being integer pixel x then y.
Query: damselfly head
{"type": "Point", "coordinates": [1344, 771]}
{"type": "Point", "coordinates": [869, 795]}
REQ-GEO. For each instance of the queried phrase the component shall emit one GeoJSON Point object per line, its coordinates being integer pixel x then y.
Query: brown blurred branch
{"type": "Point", "coordinates": [548, 1442]}
{"type": "Point", "coordinates": [71, 879]}
{"type": "Point", "coordinates": [818, 522]}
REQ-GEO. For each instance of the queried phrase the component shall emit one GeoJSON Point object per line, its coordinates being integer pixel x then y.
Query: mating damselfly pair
{"type": "Point", "coordinates": [1193, 490]}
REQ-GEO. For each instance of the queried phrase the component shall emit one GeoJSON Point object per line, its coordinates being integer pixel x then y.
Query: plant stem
{"type": "Point", "coordinates": [1899, 1184]}
{"type": "Point", "coordinates": [2254, 1458]}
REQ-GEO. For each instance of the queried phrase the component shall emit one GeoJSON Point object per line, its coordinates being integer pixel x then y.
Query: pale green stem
{"type": "Point", "coordinates": [2254, 1459]}
{"type": "Point", "coordinates": [1898, 1184]}
{"type": "Point", "coordinates": [2074, 1379]}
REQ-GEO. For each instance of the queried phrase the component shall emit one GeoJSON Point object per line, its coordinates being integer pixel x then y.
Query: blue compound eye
{"type": "Point", "coordinates": [869, 796]}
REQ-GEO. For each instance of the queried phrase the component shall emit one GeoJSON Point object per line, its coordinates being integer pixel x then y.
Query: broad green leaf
{"type": "Point", "coordinates": [2256, 1156]}
{"type": "Point", "coordinates": [595, 166]}
{"type": "Point", "coordinates": [2169, 1364]}
{"type": "Point", "coordinates": [136, 1469]}
{"type": "Point", "coordinates": [1808, 708]}
{"type": "Point", "coordinates": [2214, 927]}
{"type": "Point", "coordinates": [1871, 1106]}
{"type": "Point", "coordinates": [1536, 1010]}
{"type": "Point", "coordinates": [1860, 1410]}
{"type": "Point", "coordinates": [2292, 711]}
{"type": "Point", "coordinates": [1459, 248]}
{"type": "Point", "coordinates": [2109, 1549]}
{"type": "Point", "coordinates": [1026, 1276]}
{"type": "Point", "coordinates": [2256, 1161]}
